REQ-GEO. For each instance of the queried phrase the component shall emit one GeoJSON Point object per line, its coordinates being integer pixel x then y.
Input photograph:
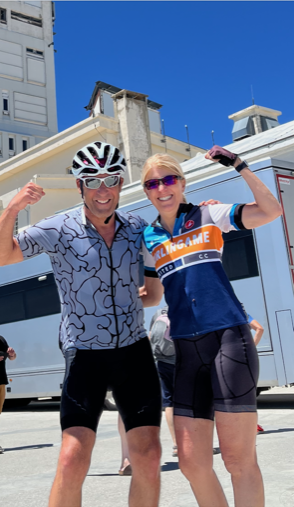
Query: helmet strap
{"type": "Point", "coordinates": [82, 193]}
{"type": "Point", "coordinates": [108, 218]}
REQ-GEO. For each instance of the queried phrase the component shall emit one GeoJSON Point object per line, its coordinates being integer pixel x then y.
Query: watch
{"type": "Point", "coordinates": [241, 166]}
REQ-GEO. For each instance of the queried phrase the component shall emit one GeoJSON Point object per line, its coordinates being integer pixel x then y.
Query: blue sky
{"type": "Point", "coordinates": [197, 59]}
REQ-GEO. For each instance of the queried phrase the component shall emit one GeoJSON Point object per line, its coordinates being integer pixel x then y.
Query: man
{"type": "Point", "coordinates": [94, 251]}
{"type": "Point", "coordinates": [5, 352]}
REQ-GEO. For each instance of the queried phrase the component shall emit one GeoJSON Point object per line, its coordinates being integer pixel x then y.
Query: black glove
{"type": "Point", "coordinates": [224, 157]}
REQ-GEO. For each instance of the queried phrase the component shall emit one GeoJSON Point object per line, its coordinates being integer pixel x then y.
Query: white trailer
{"type": "Point", "coordinates": [259, 264]}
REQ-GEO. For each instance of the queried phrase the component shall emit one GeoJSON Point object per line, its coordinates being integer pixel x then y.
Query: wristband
{"type": "Point", "coordinates": [241, 166]}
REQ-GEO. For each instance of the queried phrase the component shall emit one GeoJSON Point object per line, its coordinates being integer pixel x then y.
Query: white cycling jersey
{"type": "Point", "coordinates": [98, 286]}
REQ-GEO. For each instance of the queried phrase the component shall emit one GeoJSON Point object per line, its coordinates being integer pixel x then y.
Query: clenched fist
{"type": "Point", "coordinates": [29, 194]}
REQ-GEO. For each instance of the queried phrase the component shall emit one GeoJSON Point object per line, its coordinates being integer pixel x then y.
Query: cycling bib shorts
{"type": "Point", "coordinates": [216, 371]}
{"type": "Point", "coordinates": [131, 374]}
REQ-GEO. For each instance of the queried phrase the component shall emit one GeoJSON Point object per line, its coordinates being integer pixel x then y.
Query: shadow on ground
{"type": "Point", "coordinates": [26, 447]}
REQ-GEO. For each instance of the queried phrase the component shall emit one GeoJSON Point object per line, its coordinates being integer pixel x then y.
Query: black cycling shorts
{"type": "Point", "coordinates": [131, 374]}
{"type": "Point", "coordinates": [216, 371]}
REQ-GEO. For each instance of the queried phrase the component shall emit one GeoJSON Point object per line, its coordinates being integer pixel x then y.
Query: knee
{"type": "Point", "coordinates": [238, 463]}
{"type": "Point", "coordinates": [73, 463]}
{"type": "Point", "coordinates": [146, 457]}
{"type": "Point", "coordinates": [192, 468]}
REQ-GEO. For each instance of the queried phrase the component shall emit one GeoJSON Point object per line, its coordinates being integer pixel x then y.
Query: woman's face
{"type": "Point", "coordinates": [166, 199]}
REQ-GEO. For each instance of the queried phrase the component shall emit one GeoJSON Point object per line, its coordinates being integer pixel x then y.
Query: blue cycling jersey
{"type": "Point", "coordinates": [188, 263]}
{"type": "Point", "coordinates": [98, 286]}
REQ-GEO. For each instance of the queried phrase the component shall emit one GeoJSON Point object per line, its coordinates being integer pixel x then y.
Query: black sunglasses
{"type": "Point", "coordinates": [167, 181]}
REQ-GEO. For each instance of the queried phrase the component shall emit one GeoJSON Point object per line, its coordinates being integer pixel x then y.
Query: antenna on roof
{"type": "Point", "coordinates": [212, 137]}
{"type": "Point", "coordinates": [252, 95]}
{"type": "Point", "coordinates": [188, 141]}
{"type": "Point", "coordinates": [163, 140]}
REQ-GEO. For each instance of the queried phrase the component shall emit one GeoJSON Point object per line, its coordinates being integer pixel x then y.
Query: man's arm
{"type": "Point", "coordinates": [152, 291]}
{"type": "Point", "coordinates": [258, 331]}
{"type": "Point", "coordinates": [265, 209]}
{"type": "Point", "coordinates": [10, 251]}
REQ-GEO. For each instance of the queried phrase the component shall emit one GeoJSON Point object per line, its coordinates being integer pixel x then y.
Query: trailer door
{"type": "Point", "coordinates": [286, 191]}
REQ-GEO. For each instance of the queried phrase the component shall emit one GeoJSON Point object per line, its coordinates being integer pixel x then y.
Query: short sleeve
{"type": "Point", "coordinates": [227, 217]}
{"type": "Point", "coordinates": [149, 264]}
{"type": "Point", "coordinates": [42, 237]}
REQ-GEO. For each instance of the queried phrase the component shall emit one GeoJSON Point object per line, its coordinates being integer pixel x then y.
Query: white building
{"type": "Point", "coordinates": [131, 122]}
{"type": "Point", "coordinates": [27, 77]}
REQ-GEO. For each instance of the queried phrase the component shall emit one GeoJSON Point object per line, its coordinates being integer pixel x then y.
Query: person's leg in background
{"type": "Point", "coordinates": [125, 467]}
{"type": "Point", "coordinates": [2, 399]}
{"type": "Point", "coordinates": [166, 375]}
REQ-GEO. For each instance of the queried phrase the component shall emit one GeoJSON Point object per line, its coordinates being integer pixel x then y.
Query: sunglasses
{"type": "Point", "coordinates": [167, 181]}
{"type": "Point", "coordinates": [94, 183]}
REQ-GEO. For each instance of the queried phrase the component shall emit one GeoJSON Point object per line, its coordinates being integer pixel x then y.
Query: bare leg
{"type": "Point", "coordinates": [145, 451]}
{"type": "Point", "coordinates": [73, 465]}
{"type": "Point", "coordinates": [237, 436]}
{"type": "Point", "coordinates": [125, 462]}
{"type": "Point", "coordinates": [169, 415]}
{"type": "Point", "coordinates": [195, 439]}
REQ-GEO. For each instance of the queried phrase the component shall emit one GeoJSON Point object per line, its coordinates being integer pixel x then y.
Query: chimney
{"type": "Point", "coordinates": [134, 139]}
{"type": "Point", "coordinates": [253, 120]}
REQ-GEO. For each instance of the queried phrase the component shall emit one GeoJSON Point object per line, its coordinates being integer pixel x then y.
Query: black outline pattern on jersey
{"type": "Point", "coordinates": [84, 280]}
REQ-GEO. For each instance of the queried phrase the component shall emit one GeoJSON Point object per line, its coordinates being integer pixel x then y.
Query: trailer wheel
{"type": "Point", "coordinates": [109, 402]}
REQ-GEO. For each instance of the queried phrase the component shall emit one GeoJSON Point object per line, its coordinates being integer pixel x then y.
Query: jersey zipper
{"type": "Point", "coordinates": [111, 279]}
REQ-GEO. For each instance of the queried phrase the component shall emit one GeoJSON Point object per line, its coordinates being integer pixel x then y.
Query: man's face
{"type": "Point", "coordinates": [102, 201]}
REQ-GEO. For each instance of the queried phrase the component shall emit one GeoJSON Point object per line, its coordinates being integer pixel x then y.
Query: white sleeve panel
{"type": "Point", "coordinates": [223, 216]}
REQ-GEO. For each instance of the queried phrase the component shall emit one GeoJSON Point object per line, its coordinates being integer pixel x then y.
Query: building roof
{"type": "Point", "coordinates": [277, 142]}
{"type": "Point", "coordinates": [100, 85]}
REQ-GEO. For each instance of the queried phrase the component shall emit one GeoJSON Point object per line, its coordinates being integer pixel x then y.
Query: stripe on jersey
{"type": "Point", "coordinates": [189, 260]}
{"type": "Point", "coordinates": [204, 238]}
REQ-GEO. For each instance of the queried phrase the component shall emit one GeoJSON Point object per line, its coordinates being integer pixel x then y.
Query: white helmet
{"type": "Point", "coordinates": [98, 158]}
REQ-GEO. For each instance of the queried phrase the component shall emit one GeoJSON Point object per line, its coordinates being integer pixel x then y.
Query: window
{"type": "Point", "coordinates": [239, 257]}
{"type": "Point", "coordinates": [26, 19]}
{"type": "Point", "coordinates": [35, 53]}
{"type": "Point", "coordinates": [29, 299]}
{"type": "Point", "coordinates": [5, 102]}
{"type": "Point", "coordinates": [11, 144]}
{"type": "Point", "coordinates": [3, 17]}
{"type": "Point", "coordinates": [24, 144]}
{"type": "Point", "coordinates": [15, 228]}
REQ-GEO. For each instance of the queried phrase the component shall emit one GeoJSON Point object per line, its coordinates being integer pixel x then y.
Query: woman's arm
{"type": "Point", "coordinates": [266, 208]}
{"type": "Point", "coordinates": [258, 331]}
{"type": "Point", "coordinates": [152, 291]}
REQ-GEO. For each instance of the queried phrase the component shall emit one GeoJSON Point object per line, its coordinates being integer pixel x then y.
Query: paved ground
{"type": "Point", "coordinates": [31, 438]}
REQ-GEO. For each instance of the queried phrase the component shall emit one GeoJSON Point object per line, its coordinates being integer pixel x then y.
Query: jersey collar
{"type": "Point", "coordinates": [183, 209]}
{"type": "Point", "coordinates": [86, 223]}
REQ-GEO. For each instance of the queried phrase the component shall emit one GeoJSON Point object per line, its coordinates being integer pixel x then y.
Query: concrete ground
{"type": "Point", "coordinates": [31, 438]}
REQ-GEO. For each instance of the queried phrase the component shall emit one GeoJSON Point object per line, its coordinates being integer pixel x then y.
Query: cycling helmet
{"type": "Point", "coordinates": [98, 158]}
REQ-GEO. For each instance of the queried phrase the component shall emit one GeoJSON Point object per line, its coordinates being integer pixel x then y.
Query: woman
{"type": "Point", "coordinates": [217, 363]}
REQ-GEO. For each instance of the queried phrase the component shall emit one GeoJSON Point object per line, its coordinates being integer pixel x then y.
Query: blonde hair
{"type": "Point", "coordinates": [162, 160]}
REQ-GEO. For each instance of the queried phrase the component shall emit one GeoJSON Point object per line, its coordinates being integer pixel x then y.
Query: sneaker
{"type": "Point", "coordinates": [175, 451]}
{"type": "Point", "coordinates": [259, 429]}
{"type": "Point", "coordinates": [1, 450]}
